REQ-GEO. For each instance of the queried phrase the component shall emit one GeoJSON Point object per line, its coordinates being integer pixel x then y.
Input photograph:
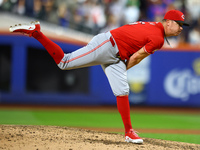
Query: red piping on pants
{"type": "Point", "coordinates": [85, 53]}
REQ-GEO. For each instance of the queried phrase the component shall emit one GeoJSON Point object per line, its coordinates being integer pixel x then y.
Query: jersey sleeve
{"type": "Point", "coordinates": [153, 44]}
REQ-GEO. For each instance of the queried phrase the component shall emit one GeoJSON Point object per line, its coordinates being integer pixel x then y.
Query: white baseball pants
{"type": "Point", "coordinates": [100, 51]}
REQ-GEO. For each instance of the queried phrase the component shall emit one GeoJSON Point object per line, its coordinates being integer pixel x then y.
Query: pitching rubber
{"type": "Point", "coordinates": [136, 141]}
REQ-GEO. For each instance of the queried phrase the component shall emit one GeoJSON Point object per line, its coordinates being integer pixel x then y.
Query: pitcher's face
{"type": "Point", "coordinates": [173, 28]}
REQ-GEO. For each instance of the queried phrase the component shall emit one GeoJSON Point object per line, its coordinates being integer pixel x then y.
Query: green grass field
{"type": "Point", "coordinates": [107, 119]}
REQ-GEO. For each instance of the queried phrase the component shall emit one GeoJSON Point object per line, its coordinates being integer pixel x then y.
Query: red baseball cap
{"type": "Point", "coordinates": [177, 16]}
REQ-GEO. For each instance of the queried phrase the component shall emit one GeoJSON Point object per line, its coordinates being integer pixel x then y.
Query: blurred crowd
{"type": "Point", "coordinates": [95, 16]}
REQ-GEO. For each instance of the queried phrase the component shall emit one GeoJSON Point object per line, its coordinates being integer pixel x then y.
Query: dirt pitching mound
{"type": "Point", "coordinates": [18, 137]}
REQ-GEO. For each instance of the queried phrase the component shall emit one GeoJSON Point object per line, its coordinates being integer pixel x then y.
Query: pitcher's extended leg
{"type": "Point", "coordinates": [98, 51]}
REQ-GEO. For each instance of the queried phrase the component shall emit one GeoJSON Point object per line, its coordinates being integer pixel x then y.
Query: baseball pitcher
{"type": "Point", "coordinates": [116, 51]}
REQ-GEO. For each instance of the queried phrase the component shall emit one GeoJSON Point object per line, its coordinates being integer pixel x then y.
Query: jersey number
{"type": "Point", "coordinates": [138, 22]}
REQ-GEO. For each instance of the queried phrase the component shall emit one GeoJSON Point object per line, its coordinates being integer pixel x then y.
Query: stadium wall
{"type": "Point", "coordinates": [28, 75]}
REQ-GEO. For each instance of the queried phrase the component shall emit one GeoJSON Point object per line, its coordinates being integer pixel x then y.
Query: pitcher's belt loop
{"type": "Point", "coordinates": [113, 44]}
{"type": "Point", "coordinates": [112, 41]}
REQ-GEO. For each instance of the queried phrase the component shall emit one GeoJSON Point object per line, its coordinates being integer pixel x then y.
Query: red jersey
{"type": "Point", "coordinates": [132, 37]}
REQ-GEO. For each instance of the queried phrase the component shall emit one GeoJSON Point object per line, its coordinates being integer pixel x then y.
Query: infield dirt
{"type": "Point", "coordinates": [18, 137]}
